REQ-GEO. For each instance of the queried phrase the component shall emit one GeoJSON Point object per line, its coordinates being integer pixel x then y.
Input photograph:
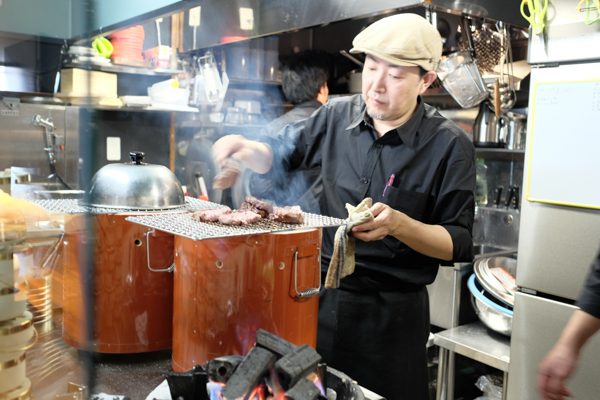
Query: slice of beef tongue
{"type": "Point", "coordinates": [239, 218]}
{"type": "Point", "coordinates": [210, 215]}
{"type": "Point", "coordinates": [262, 208]}
{"type": "Point", "coordinates": [287, 214]}
{"type": "Point", "coordinates": [228, 175]}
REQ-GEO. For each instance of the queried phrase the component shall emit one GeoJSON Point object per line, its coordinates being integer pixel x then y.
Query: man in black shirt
{"type": "Point", "coordinates": [561, 360]}
{"type": "Point", "coordinates": [419, 169]}
{"type": "Point", "coordinates": [304, 83]}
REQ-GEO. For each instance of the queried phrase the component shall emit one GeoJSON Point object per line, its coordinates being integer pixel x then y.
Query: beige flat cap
{"type": "Point", "coordinates": [402, 39]}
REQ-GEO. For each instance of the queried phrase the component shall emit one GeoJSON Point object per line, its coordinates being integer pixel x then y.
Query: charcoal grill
{"type": "Point", "coordinates": [186, 226]}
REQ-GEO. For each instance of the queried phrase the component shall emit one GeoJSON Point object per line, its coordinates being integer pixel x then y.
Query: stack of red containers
{"type": "Point", "coordinates": [128, 43]}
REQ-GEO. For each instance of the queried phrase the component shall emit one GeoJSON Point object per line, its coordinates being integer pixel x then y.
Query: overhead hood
{"type": "Point", "coordinates": [223, 20]}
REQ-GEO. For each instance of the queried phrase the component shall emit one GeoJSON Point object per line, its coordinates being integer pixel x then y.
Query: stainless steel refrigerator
{"type": "Point", "coordinates": [560, 222]}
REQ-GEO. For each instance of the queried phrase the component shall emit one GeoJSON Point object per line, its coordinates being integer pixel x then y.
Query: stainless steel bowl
{"type": "Point", "coordinates": [135, 186]}
{"type": "Point", "coordinates": [492, 314]}
{"type": "Point", "coordinates": [502, 290]}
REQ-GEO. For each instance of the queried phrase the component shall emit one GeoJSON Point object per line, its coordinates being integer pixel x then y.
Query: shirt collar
{"type": "Point", "coordinates": [407, 132]}
{"type": "Point", "coordinates": [309, 104]}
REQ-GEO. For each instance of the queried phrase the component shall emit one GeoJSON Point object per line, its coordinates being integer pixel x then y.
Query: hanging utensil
{"type": "Point", "coordinates": [354, 59]}
{"type": "Point", "coordinates": [589, 8]}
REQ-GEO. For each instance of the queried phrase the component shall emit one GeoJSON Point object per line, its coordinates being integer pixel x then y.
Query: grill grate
{"type": "Point", "coordinates": [73, 206]}
{"type": "Point", "coordinates": [184, 225]}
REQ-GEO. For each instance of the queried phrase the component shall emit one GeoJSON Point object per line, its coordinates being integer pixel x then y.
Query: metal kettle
{"type": "Point", "coordinates": [489, 129]}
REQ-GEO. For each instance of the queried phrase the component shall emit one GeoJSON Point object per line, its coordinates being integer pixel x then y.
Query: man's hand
{"type": "Point", "coordinates": [257, 156]}
{"type": "Point", "coordinates": [430, 240]}
{"type": "Point", "coordinates": [385, 221]}
{"type": "Point", "coordinates": [561, 360]}
{"type": "Point", "coordinates": [226, 147]}
{"type": "Point", "coordinates": [554, 369]}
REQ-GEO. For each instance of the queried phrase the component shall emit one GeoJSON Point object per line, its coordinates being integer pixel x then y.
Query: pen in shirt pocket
{"type": "Point", "coordinates": [389, 183]}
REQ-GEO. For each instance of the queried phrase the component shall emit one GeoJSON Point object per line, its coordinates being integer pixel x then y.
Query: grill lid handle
{"type": "Point", "coordinates": [137, 157]}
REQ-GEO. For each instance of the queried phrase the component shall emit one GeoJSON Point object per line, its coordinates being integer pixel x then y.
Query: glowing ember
{"type": "Point", "coordinates": [214, 389]}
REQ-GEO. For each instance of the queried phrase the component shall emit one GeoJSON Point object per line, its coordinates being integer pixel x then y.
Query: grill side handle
{"type": "Point", "coordinates": [170, 269]}
{"type": "Point", "coordinates": [311, 292]}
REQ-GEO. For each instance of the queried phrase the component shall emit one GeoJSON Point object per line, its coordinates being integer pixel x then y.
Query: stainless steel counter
{"type": "Point", "coordinates": [477, 342]}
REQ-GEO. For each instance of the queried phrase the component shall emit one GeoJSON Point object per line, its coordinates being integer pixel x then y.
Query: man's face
{"type": "Point", "coordinates": [390, 91]}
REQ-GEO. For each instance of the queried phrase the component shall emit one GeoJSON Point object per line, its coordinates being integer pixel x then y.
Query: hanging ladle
{"type": "Point", "coordinates": [345, 54]}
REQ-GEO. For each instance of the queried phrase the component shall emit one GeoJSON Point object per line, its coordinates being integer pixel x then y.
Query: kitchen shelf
{"type": "Point", "coordinates": [498, 150]}
{"type": "Point", "coordinates": [491, 154]}
{"type": "Point", "coordinates": [477, 342]}
{"type": "Point", "coordinates": [124, 69]}
{"type": "Point", "coordinates": [145, 109]}
{"type": "Point", "coordinates": [252, 82]}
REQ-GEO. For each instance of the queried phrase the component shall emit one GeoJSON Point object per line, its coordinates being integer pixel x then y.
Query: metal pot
{"type": "Point", "coordinates": [516, 134]}
{"type": "Point", "coordinates": [135, 186]}
{"type": "Point", "coordinates": [490, 130]}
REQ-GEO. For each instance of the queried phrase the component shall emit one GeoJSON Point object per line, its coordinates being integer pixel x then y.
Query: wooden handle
{"type": "Point", "coordinates": [497, 107]}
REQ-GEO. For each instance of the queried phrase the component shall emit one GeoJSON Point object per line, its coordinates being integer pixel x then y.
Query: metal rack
{"type": "Point", "coordinates": [186, 226]}
{"type": "Point", "coordinates": [472, 340]}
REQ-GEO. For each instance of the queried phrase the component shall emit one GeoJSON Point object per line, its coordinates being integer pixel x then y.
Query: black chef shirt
{"type": "Point", "coordinates": [432, 159]}
{"type": "Point", "coordinates": [589, 299]}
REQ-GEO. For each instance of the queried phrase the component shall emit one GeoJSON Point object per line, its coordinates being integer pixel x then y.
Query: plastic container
{"type": "Point", "coordinates": [166, 85]}
{"type": "Point", "coordinates": [462, 79]}
{"type": "Point", "coordinates": [172, 96]}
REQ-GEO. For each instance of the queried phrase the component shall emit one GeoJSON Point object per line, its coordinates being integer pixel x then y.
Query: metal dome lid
{"type": "Point", "coordinates": [135, 186]}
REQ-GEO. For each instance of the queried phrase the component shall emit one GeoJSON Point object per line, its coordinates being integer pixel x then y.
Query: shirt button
{"type": "Point", "coordinates": [378, 145]}
{"type": "Point", "coordinates": [365, 180]}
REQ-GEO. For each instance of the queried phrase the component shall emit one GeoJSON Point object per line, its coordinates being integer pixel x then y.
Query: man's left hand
{"type": "Point", "coordinates": [386, 221]}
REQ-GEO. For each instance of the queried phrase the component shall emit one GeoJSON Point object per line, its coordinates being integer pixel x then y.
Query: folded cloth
{"type": "Point", "coordinates": [342, 259]}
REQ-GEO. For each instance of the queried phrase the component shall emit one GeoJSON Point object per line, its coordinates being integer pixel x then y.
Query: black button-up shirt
{"type": "Point", "coordinates": [589, 299]}
{"type": "Point", "coordinates": [432, 159]}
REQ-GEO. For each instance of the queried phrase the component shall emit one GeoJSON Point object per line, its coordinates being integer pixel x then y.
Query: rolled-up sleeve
{"type": "Point", "coordinates": [589, 299]}
{"type": "Point", "coordinates": [454, 206]}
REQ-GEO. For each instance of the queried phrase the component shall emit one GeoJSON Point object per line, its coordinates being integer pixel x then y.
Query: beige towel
{"type": "Point", "coordinates": [342, 259]}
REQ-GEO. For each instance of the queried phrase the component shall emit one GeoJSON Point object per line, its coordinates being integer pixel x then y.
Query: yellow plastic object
{"type": "Point", "coordinates": [103, 46]}
{"type": "Point", "coordinates": [596, 6]}
{"type": "Point", "coordinates": [536, 13]}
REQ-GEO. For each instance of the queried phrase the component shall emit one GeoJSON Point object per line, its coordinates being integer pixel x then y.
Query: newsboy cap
{"type": "Point", "coordinates": [402, 39]}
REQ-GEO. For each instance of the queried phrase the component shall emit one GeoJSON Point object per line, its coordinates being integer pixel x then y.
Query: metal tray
{"type": "Point", "coordinates": [74, 206]}
{"type": "Point", "coordinates": [182, 224]}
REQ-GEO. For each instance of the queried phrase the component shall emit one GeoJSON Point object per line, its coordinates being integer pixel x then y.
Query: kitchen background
{"type": "Point", "coordinates": [57, 129]}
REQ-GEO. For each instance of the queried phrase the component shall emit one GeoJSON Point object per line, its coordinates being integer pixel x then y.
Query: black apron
{"type": "Point", "coordinates": [378, 338]}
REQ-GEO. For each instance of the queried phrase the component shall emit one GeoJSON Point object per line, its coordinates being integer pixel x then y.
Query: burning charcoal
{"type": "Point", "coordinates": [303, 390]}
{"type": "Point", "coordinates": [248, 374]}
{"type": "Point", "coordinates": [190, 385]}
{"type": "Point", "coordinates": [220, 369]}
{"type": "Point", "coordinates": [321, 373]}
{"type": "Point", "coordinates": [296, 365]}
{"type": "Point", "coordinates": [274, 343]}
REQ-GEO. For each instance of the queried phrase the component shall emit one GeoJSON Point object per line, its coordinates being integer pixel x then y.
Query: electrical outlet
{"type": "Point", "coordinates": [246, 18]}
{"type": "Point", "coordinates": [195, 16]}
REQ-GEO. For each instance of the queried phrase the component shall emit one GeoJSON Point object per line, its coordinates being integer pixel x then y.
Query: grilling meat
{"type": "Point", "coordinates": [260, 207]}
{"type": "Point", "coordinates": [228, 175]}
{"type": "Point", "coordinates": [210, 215]}
{"type": "Point", "coordinates": [239, 218]}
{"type": "Point", "coordinates": [289, 215]}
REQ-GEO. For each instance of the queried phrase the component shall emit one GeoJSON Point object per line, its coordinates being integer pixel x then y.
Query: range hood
{"type": "Point", "coordinates": [209, 23]}
{"type": "Point", "coordinates": [223, 19]}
